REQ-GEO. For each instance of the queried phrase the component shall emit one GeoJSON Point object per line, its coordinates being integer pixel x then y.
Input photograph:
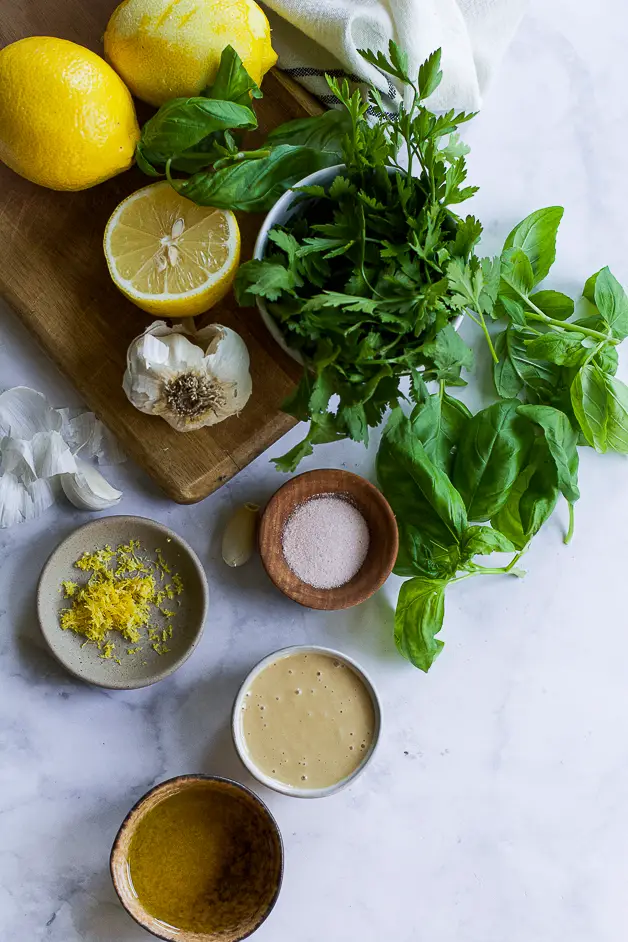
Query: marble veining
{"type": "Point", "coordinates": [495, 808]}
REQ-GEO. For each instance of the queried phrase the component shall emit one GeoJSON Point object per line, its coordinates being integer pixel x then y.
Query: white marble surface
{"type": "Point", "coordinates": [496, 807]}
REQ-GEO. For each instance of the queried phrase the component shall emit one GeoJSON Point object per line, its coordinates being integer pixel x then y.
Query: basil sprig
{"type": "Point", "coordinates": [202, 139]}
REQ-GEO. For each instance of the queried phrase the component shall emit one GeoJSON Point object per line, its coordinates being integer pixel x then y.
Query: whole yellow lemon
{"type": "Point", "coordinates": [67, 120]}
{"type": "Point", "coordinates": [167, 50]}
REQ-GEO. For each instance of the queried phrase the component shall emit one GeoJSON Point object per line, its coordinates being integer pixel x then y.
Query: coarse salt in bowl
{"type": "Point", "coordinates": [328, 539]}
{"type": "Point", "coordinates": [325, 541]}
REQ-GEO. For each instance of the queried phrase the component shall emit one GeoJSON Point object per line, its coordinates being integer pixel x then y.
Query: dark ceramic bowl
{"type": "Point", "coordinates": [238, 918]}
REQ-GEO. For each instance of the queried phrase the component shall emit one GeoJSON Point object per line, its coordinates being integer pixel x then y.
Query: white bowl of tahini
{"type": "Point", "coordinates": [306, 721]}
{"type": "Point", "coordinates": [291, 203]}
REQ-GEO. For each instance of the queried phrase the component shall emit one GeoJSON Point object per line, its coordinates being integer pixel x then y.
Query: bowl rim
{"type": "Point", "coordinates": [189, 778]}
{"type": "Point", "coordinates": [196, 637]}
{"type": "Point", "coordinates": [329, 593]}
{"type": "Point", "coordinates": [238, 736]}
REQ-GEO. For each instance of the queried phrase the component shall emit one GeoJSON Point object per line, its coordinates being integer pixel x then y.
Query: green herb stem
{"type": "Point", "coordinates": [259, 154]}
{"type": "Point", "coordinates": [478, 570]}
{"type": "Point", "coordinates": [482, 324]}
{"type": "Point", "coordinates": [572, 520]}
{"type": "Point", "coordinates": [536, 314]}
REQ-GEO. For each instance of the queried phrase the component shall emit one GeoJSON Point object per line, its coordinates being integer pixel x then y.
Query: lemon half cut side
{"type": "Point", "coordinates": [169, 256]}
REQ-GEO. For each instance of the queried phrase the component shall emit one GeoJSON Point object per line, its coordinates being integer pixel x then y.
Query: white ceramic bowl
{"type": "Point", "coordinates": [238, 733]}
{"type": "Point", "coordinates": [283, 210]}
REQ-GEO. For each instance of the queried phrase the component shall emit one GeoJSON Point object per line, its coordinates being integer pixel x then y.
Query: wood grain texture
{"type": "Point", "coordinates": [54, 275]}
{"type": "Point", "coordinates": [384, 538]}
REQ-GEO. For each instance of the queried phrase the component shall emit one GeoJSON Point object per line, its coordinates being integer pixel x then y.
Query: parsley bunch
{"type": "Point", "coordinates": [358, 279]}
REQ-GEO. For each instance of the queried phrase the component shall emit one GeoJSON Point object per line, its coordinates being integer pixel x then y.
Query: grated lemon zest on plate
{"type": "Point", "coordinates": [120, 596]}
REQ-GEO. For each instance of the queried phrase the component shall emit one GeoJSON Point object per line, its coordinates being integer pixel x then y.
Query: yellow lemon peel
{"type": "Point", "coordinates": [121, 596]}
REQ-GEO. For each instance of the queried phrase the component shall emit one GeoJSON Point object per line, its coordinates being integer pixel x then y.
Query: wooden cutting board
{"type": "Point", "coordinates": [53, 273]}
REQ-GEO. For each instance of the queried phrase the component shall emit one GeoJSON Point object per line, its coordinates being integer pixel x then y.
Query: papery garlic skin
{"type": "Point", "coordinates": [191, 383]}
{"type": "Point", "coordinates": [87, 489]}
{"type": "Point", "coordinates": [38, 448]}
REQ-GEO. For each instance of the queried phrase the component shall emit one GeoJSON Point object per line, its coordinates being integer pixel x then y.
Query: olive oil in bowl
{"type": "Point", "coordinates": [198, 858]}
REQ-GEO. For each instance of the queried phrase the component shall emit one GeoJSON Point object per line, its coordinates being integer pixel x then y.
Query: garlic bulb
{"type": "Point", "coordinates": [189, 380]}
{"type": "Point", "coordinates": [87, 489]}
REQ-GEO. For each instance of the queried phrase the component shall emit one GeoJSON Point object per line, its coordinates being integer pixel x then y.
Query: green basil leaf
{"type": "Point", "coordinates": [182, 123]}
{"type": "Point", "coordinates": [589, 402]}
{"type": "Point", "coordinates": [562, 440]}
{"type": "Point", "coordinates": [418, 619]}
{"type": "Point", "coordinates": [323, 132]}
{"type": "Point", "coordinates": [538, 500]}
{"type": "Point", "coordinates": [202, 155]}
{"type": "Point", "coordinates": [514, 310]}
{"type": "Point", "coordinates": [419, 493]}
{"type": "Point", "coordinates": [508, 382]}
{"type": "Point", "coordinates": [612, 303]}
{"type": "Point", "coordinates": [517, 271]}
{"type": "Point", "coordinates": [254, 185]}
{"type": "Point", "coordinates": [144, 162]}
{"type": "Point", "coordinates": [617, 411]}
{"type": "Point", "coordinates": [600, 403]}
{"type": "Point", "coordinates": [419, 555]}
{"type": "Point", "coordinates": [536, 236]}
{"type": "Point", "coordinates": [555, 304]}
{"type": "Point", "coordinates": [534, 494]}
{"type": "Point", "coordinates": [607, 360]}
{"type": "Point", "coordinates": [588, 291]}
{"type": "Point", "coordinates": [517, 368]}
{"type": "Point", "coordinates": [232, 82]}
{"type": "Point", "coordinates": [438, 422]}
{"type": "Point", "coordinates": [491, 453]}
{"type": "Point", "coordinates": [563, 349]}
{"type": "Point", "coordinates": [482, 541]}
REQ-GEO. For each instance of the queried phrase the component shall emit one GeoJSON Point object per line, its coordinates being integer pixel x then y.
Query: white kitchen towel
{"type": "Point", "coordinates": [317, 36]}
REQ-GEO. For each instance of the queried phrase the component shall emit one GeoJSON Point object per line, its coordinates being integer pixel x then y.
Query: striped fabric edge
{"type": "Point", "coordinates": [309, 72]}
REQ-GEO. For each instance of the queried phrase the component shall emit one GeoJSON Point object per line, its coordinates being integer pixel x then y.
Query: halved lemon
{"type": "Point", "coordinates": [169, 256]}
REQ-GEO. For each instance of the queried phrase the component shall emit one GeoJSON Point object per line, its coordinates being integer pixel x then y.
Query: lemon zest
{"type": "Point", "coordinates": [120, 596]}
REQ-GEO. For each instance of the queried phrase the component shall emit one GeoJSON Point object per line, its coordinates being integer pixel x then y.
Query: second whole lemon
{"type": "Point", "coordinates": [165, 49]}
{"type": "Point", "coordinates": [67, 120]}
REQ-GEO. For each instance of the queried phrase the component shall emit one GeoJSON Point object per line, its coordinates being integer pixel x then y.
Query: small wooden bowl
{"type": "Point", "coordinates": [379, 518]}
{"type": "Point", "coordinates": [261, 887]}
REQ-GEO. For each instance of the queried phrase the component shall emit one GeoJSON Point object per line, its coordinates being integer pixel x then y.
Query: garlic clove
{"type": "Point", "coordinates": [87, 489]}
{"type": "Point", "coordinates": [238, 540]}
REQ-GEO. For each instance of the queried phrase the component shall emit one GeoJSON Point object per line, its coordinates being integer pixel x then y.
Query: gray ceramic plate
{"type": "Point", "coordinates": [145, 667]}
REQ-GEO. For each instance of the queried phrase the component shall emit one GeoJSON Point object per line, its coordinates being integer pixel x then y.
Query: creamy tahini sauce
{"type": "Point", "coordinates": [308, 720]}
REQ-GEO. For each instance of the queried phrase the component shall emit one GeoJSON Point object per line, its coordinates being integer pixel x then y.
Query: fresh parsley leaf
{"type": "Point", "coordinates": [264, 279]}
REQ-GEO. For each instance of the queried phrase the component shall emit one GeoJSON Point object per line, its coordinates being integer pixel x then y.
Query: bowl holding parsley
{"type": "Point", "coordinates": [293, 203]}
{"type": "Point", "coordinates": [353, 266]}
